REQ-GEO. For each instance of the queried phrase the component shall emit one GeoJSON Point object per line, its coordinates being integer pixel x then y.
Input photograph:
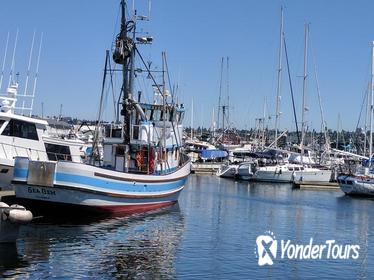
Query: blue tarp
{"type": "Point", "coordinates": [213, 154]}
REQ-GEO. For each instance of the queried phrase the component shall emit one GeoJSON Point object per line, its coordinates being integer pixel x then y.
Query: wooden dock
{"type": "Point", "coordinates": [205, 168]}
{"type": "Point", "coordinates": [316, 185]}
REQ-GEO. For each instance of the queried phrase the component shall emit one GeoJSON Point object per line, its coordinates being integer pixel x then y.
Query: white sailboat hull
{"type": "Point", "coordinates": [288, 174]}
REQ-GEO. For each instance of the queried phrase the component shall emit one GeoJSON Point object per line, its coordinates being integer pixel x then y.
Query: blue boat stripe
{"type": "Point", "coordinates": [119, 186]}
{"type": "Point", "coordinates": [107, 184]}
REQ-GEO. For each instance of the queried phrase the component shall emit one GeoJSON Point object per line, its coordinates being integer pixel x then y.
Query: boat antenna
{"type": "Point", "coordinates": [28, 72]}
{"type": "Point", "coordinates": [4, 59]}
{"type": "Point", "coordinates": [13, 58]}
{"type": "Point", "coordinates": [36, 74]}
{"type": "Point", "coordinates": [277, 110]}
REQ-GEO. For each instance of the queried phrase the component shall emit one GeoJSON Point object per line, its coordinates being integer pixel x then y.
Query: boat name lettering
{"type": "Point", "coordinates": [41, 191]}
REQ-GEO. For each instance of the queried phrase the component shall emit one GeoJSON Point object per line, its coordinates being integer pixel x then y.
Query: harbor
{"type": "Point", "coordinates": [143, 140]}
{"type": "Point", "coordinates": [210, 233]}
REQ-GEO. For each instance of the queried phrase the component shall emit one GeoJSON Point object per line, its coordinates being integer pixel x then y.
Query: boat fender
{"type": "Point", "coordinates": [280, 171]}
{"type": "Point", "coordinates": [3, 205]}
{"type": "Point", "coordinates": [19, 216]}
{"type": "Point", "coordinates": [20, 207]}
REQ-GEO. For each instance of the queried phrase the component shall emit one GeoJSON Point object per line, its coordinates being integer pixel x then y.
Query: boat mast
{"type": "Point", "coordinates": [192, 119]}
{"type": "Point", "coordinates": [366, 117]}
{"type": "Point", "coordinates": [304, 90]}
{"type": "Point", "coordinates": [220, 94]}
{"type": "Point", "coordinates": [371, 104]}
{"type": "Point", "coordinates": [228, 92]}
{"type": "Point", "coordinates": [277, 113]}
{"type": "Point", "coordinates": [124, 54]}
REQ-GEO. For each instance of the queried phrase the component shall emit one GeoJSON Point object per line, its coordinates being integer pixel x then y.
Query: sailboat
{"type": "Point", "coordinates": [288, 172]}
{"type": "Point", "coordinates": [143, 166]}
{"type": "Point", "coordinates": [362, 182]}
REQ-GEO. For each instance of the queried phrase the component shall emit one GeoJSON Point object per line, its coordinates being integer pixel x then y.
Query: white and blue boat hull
{"type": "Point", "coordinates": [95, 188]}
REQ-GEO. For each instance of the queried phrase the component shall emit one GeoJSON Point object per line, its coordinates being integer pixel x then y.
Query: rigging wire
{"type": "Point", "coordinates": [291, 89]}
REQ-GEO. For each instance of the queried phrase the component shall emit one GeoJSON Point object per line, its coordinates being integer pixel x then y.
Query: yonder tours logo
{"type": "Point", "coordinates": [268, 248]}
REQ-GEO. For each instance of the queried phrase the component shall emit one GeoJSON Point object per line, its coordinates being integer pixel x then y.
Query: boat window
{"type": "Point", "coordinates": [165, 115]}
{"type": "Point", "coordinates": [172, 115]}
{"type": "Point", "coordinates": [297, 168]}
{"type": "Point", "coordinates": [148, 114]}
{"type": "Point", "coordinates": [156, 115]}
{"type": "Point", "coordinates": [290, 168]}
{"type": "Point", "coordinates": [21, 129]}
{"type": "Point", "coordinates": [301, 168]}
{"type": "Point", "coordinates": [58, 152]}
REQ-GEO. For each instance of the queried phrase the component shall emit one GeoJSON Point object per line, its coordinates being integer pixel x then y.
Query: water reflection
{"type": "Point", "coordinates": [224, 218]}
{"type": "Point", "coordinates": [139, 246]}
{"type": "Point", "coordinates": [211, 236]}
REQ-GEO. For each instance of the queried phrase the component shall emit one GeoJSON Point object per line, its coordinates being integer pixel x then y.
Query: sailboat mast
{"type": "Point", "coordinates": [366, 117]}
{"type": "Point", "coordinates": [371, 104]}
{"type": "Point", "coordinates": [277, 113]}
{"type": "Point", "coordinates": [304, 90]}
{"type": "Point", "coordinates": [220, 94]}
{"type": "Point", "coordinates": [228, 92]}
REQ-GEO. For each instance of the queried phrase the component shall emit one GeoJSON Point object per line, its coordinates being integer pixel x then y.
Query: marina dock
{"type": "Point", "coordinates": [205, 168]}
{"type": "Point", "coordinates": [316, 185]}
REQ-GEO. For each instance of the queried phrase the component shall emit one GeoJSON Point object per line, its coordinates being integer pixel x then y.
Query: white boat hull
{"type": "Point", "coordinates": [282, 174]}
{"type": "Point", "coordinates": [227, 171]}
{"type": "Point", "coordinates": [356, 185]}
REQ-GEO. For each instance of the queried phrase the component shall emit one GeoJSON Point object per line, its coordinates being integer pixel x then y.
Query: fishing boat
{"type": "Point", "coordinates": [143, 166]}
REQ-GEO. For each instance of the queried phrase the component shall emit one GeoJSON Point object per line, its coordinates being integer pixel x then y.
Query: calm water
{"type": "Point", "coordinates": [211, 233]}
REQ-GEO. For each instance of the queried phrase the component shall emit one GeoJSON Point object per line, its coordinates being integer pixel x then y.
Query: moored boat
{"type": "Point", "coordinates": [288, 173]}
{"type": "Point", "coordinates": [143, 166]}
{"type": "Point", "coordinates": [227, 170]}
{"type": "Point", "coordinates": [362, 182]}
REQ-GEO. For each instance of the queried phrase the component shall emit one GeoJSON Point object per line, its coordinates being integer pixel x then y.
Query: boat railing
{"type": "Point", "coordinates": [58, 156]}
{"type": "Point", "coordinates": [11, 151]}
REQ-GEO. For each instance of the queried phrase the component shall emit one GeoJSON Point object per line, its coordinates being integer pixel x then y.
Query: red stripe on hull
{"type": "Point", "coordinates": [131, 209]}
{"type": "Point", "coordinates": [57, 209]}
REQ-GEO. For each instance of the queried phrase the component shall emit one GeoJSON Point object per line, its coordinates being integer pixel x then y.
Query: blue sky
{"type": "Point", "coordinates": [195, 35]}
